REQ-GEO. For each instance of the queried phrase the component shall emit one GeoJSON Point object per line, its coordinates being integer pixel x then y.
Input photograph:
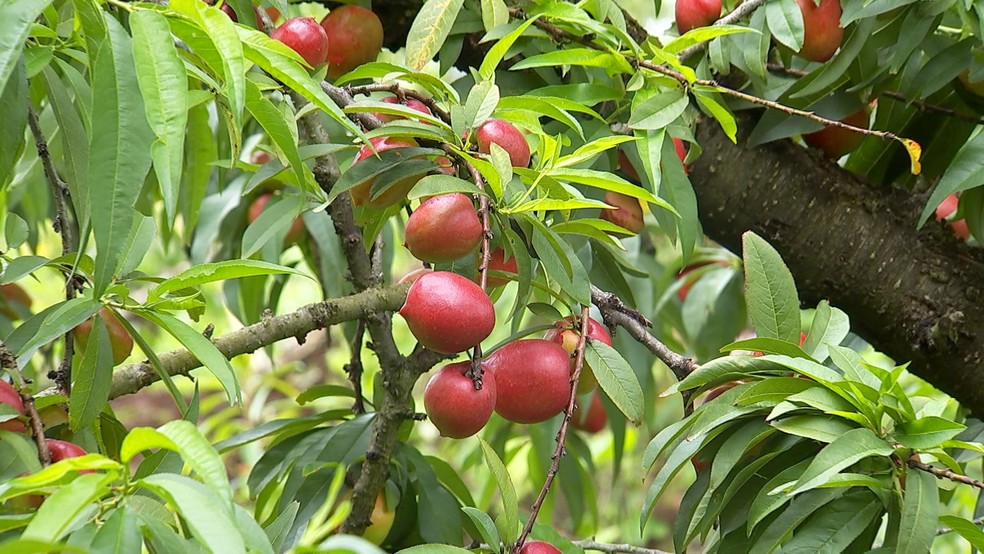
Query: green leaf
{"type": "Point", "coordinates": [927, 432]}
{"type": "Point", "coordinates": [965, 528]}
{"type": "Point", "coordinates": [835, 526]}
{"type": "Point", "coordinates": [585, 57]}
{"type": "Point", "coordinates": [966, 171]}
{"type": "Point", "coordinates": [202, 512]}
{"type": "Point", "coordinates": [830, 326]}
{"type": "Point", "coordinates": [91, 379]}
{"type": "Point", "coordinates": [801, 508]}
{"type": "Point", "coordinates": [434, 549]}
{"type": "Point", "coordinates": [281, 129]}
{"type": "Point", "coordinates": [281, 62]}
{"type": "Point", "coordinates": [785, 21]}
{"type": "Point", "coordinates": [851, 364]}
{"type": "Point", "coordinates": [847, 449]}
{"type": "Point", "coordinates": [821, 428]}
{"type": "Point", "coordinates": [768, 346]}
{"type": "Point", "coordinates": [221, 271]}
{"type": "Point", "coordinates": [75, 142]}
{"type": "Point", "coordinates": [616, 378]}
{"type": "Point", "coordinates": [13, 112]}
{"type": "Point", "coordinates": [920, 510]}
{"type": "Point", "coordinates": [704, 34]}
{"type": "Point", "coordinates": [659, 110]}
{"type": "Point", "coordinates": [484, 524]}
{"type": "Point", "coordinates": [429, 30]}
{"type": "Point", "coordinates": [164, 86]}
{"type": "Point", "coordinates": [119, 150]}
{"type": "Point", "coordinates": [481, 102]}
{"type": "Point", "coordinates": [498, 51]}
{"type": "Point", "coordinates": [773, 391]}
{"type": "Point", "coordinates": [184, 438]}
{"type": "Point", "coordinates": [510, 514]}
{"type": "Point", "coordinates": [432, 185]}
{"type": "Point", "coordinates": [59, 511]}
{"type": "Point", "coordinates": [494, 13]}
{"type": "Point", "coordinates": [201, 348]}
{"type": "Point", "coordinates": [120, 532]}
{"type": "Point", "coordinates": [773, 305]}
{"type": "Point", "coordinates": [608, 181]}
{"type": "Point", "coordinates": [712, 103]}
{"type": "Point", "coordinates": [49, 324]}
{"type": "Point", "coordinates": [17, 17]}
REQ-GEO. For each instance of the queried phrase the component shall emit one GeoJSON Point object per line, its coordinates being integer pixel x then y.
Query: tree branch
{"type": "Point", "coordinates": [739, 12]}
{"type": "Point", "coordinates": [9, 362]}
{"type": "Point", "coordinates": [944, 473]}
{"type": "Point", "coordinates": [130, 379]}
{"type": "Point", "coordinates": [616, 548]}
{"type": "Point", "coordinates": [855, 244]}
{"type": "Point", "coordinates": [63, 226]}
{"type": "Point", "coordinates": [615, 312]}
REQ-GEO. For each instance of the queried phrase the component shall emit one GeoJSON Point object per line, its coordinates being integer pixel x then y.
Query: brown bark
{"type": "Point", "coordinates": [916, 295]}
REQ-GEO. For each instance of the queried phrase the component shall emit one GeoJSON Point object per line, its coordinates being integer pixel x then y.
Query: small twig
{"type": "Point", "coordinates": [944, 473]}
{"type": "Point", "coordinates": [562, 433]}
{"type": "Point", "coordinates": [9, 362]}
{"type": "Point", "coordinates": [616, 548]}
{"type": "Point", "coordinates": [62, 225]}
{"type": "Point", "coordinates": [354, 367]}
{"type": "Point", "coordinates": [401, 92]}
{"type": "Point", "coordinates": [739, 12]}
{"type": "Point", "coordinates": [561, 35]}
{"type": "Point", "coordinates": [919, 104]}
{"type": "Point", "coordinates": [475, 369]}
{"type": "Point", "coordinates": [616, 312]}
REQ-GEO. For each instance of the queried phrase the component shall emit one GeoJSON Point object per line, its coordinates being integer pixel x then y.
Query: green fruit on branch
{"type": "Point", "coordinates": [304, 36]}
{"type": "Point", "coordinates": [447, 312]}
{"type": "Point", "coordinates": [397, 192]}
{"type": "Point", "coordinates": [591, 420]}
{"type": "Point", "coordinates": [567, 336]}
{"type": "Point", "coordinates": [835, 141]}
{"type": "Point", "coordinates": [507, 136]}
{"type": "Point", "coordinates": [532, 380]}
{"type": "Point", "coordinates": [822, 32]}
{"type": "Point", "coordinates": [443, 229]}
{"type": "Point", "coordinates": [119, 338]}
{"type": "Point", "coordinates": [10, 397]}
{"type": "Point", "coordinates": [453, 404]}
{"type": "Point", "coordinates": [356, 37]}
{"type": "Point", "coordinates": [691, 14]}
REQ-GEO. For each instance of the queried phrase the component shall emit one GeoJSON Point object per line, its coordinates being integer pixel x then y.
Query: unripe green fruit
{"type": "Point", "coordinates": [532, 380]}
{"type": "Point", "coordinates": [447, 312]}
{"type": "Point", "coordinates": [356, 36]}
{"type": "Point", "coordinates": [507, 136]}
{"type": "Point", "coordinates": [443, 229]}
{"type": "Point", "coordinates": [453, 404]}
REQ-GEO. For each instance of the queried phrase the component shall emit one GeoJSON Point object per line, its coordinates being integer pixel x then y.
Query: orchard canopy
{"type": "Point", "coordinates": [440, 276]}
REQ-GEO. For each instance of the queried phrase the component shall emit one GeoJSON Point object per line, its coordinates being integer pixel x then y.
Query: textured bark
{"type": "Point", "coordinates": [915, 295]}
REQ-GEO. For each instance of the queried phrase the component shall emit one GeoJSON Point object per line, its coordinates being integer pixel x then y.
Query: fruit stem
{"type": "Point", "coordinates": [562, 433]}
{"type": "Point", "coordinates": [9, 362]}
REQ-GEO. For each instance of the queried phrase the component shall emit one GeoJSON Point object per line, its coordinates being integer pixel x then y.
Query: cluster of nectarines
{"type": "Point", "coordinates": [524, 381]}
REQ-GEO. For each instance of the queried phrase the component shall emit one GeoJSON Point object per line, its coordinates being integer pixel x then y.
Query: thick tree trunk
{"type": "Point", "coordinates": [915, 295]}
